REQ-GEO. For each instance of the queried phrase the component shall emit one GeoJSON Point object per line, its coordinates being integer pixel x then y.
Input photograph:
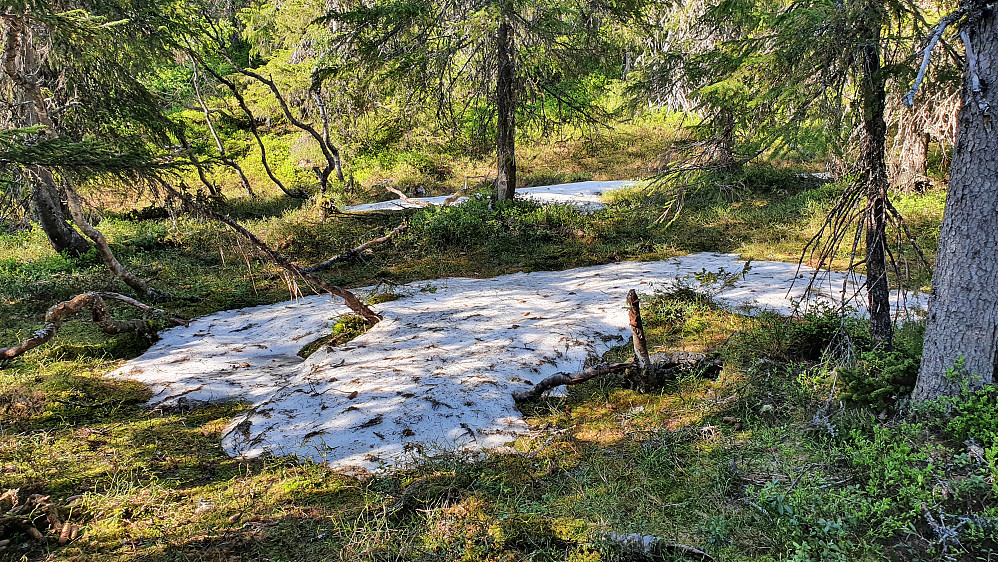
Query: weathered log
{"type": "Point", "coordinates": [354, 252]}
{"type": "Point", "coordinates": [93, 301]}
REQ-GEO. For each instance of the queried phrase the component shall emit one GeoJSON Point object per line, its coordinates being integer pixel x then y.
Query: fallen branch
{"type": "Point", "coordinates": [93, 301]}
{"type": "Point", "coordinates": [349, 298]}
{"type": "Point", "coordinates": [406, 198]}
{"type": "Point", "coordinates": [562, 379]}
{"type": "Point", "coordinates": [354, 252]}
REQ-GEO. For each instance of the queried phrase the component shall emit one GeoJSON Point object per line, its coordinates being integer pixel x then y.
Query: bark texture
{"type": "Point", "coordinates": [874, 165]}
{"type": "Point", "coordinates": [505, 107]}
{"type": "Point", "coordinates": [963, 308]}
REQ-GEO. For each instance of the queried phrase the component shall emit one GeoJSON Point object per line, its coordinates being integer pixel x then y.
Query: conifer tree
{"type": "Point", "coordinates": [488, 57]}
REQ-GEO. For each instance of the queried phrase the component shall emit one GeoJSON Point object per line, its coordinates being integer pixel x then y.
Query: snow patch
{"type": "Point", "coordinates": [585, 194]}
{"type": "Point", "coordinates": [438, 372]}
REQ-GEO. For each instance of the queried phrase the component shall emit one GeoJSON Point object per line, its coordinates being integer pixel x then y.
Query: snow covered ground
{"type": "Point", "coordinates": [583, 194]}
{"type": "Point", "coordinates": [438, 372]}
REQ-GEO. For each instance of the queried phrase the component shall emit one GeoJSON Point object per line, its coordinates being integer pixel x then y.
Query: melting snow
{"type": "Point", "coordinates": [438, 372]}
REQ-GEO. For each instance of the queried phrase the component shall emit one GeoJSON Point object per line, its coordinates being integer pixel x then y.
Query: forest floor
{"type": "Point", "coordinates": [799, 450]}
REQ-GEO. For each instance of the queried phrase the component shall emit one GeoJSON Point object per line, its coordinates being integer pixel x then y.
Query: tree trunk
{"type": "Point", "coordinates": [963, 308]}
{"type": "Point", "coordinates": [875, 171]}
{"type": "Point", "coordinates": [911, 165]}
{"type": "Point", "coordinates": [505, 107]}
{"type": "Point", "coordinates": [47, 203]}
{"type": "Point", "coordinates": [21, 66]}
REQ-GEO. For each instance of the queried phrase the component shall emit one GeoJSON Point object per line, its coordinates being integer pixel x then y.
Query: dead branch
{"type": "Point", "coordinates": [119, 271]}
{"type": "Point", "coordinates": [214, 134]}
{"type": "Point", "coordinates": [406, 198]}
{"type": "Point", "coordinates": [93, 301]}
{"type": "Point", "coordinates": [657, 546]}
{"type": "Point", "coordinates": [662, 366]}
{"type": "Point", "coordinates": [562, 379]}
{"type": "Point", "coordinates": [329, 150]}
{"type": "Point", "coordinates": [638, 331]}
{"type": "Point", "coordinates": [909, 98]}
{"type": "Point", "coordinates": [349, 298]}
{"type": "Point", "coordinates": [252, 124]}
{"type": "Point", "coordinates": [354, 252]}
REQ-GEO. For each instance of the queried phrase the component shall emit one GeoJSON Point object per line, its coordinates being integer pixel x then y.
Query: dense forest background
{"type": "Point", "coordinates": [200, 156]}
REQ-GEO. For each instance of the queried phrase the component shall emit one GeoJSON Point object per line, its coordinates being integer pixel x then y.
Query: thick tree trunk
{"type": "Point", "coordinates": [47, 203]}
{"type": "Point", "coordinates": [963, 308]}
{"type": "Point", "coordinates": [875, 171]}
{"type": "Point", "coordinates": [506, 108]}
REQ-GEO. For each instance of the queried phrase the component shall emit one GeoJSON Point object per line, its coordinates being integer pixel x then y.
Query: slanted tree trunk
{"type": "Point", "coordinates": [963, 308]}
{"type": "Point", "coordinates": [874, 168]}
{"type": "Point", "coordinates": [505, 107]}
{"type": "Point", "coordinates": [47, 203]}
{"type": "Point", "coordinates": [21, 65]}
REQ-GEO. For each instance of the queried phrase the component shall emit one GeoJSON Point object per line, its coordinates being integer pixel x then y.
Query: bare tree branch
{"type": "Point", "coordinates": [353, 252]}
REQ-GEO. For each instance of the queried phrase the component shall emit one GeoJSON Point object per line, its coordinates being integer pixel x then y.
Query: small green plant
{"type": "Point", "coordinates": [879, 378]}
{"type": "Point", "coordinates": [345, 329]}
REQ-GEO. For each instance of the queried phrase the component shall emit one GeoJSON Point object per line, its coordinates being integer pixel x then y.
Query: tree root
{"type": "Point", "coordinates": [93, 301]}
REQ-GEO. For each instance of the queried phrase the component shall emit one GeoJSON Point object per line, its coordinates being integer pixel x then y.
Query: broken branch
{"type": "Point", "coordinates": [406, 198]}
{"type": "Point", "coordinates": [562, 379]}
{"type": "Point", "coordinates": [909, 98]}
{"type": "Point", "coordinates": [349, 298]}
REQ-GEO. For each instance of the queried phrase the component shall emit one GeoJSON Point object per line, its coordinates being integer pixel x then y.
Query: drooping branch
{"type": "Point", "coordinates": [354, 252]}
{"type": "Point", "coordinates": [351, 300]}
{"type": "Point", "coordinates": [214, 134]}
{"type": "Point", "coordinates": [329, 151]}
{"type": "Point", "coordinates": [909, 98]}
{"type": "Point", "coordinates": [93, 301]}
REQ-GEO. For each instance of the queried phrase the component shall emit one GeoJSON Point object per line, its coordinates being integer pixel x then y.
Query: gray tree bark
{"type": "Point", "coordinates": [505, 107]}
{"type": "Point", "coordinates": [963, 307]}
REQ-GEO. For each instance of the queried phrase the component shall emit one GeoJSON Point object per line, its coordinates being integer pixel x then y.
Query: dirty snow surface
{"type": "Point", "coordinates": [437, 373]}
{"type": "Point", "coordinates": [585, 194]}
